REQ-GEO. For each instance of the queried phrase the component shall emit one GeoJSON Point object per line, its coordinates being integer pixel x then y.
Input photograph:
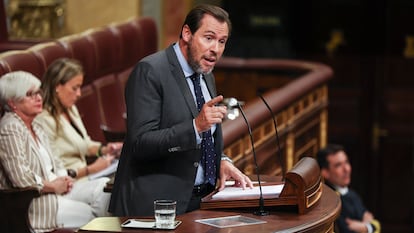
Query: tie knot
{"type": "Point", "coordinates": [194, 77]}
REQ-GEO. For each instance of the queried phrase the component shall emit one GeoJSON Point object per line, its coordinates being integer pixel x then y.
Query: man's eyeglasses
{"type": "Point", "coordinates": [33, 94]}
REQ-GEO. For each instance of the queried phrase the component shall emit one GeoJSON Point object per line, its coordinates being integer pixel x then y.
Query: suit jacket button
{"type": "Point", "coordinates": [195, 164]}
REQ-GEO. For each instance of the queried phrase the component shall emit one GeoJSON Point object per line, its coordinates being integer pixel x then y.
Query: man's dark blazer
{"type": "Point", "coordinates": [352, 207]}
{"type": "Point", "coordinates": [160, 155]}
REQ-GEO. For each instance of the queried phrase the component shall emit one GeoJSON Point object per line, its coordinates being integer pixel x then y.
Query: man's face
{"type": "Point", "coordinates": [339, 169]}
{"type": "Point", "coordinates": [207, 44]}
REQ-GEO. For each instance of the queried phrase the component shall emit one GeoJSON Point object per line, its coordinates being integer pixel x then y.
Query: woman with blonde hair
{"type": "Point", "coordinates": [62, 87]}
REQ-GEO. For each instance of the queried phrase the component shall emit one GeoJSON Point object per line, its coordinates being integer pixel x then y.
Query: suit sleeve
{"type": "Point", "coordinates": [158, 123]}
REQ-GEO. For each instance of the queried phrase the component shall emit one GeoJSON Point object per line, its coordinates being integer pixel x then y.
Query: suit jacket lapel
{"type": "Point", "coordinates": [181, 80]}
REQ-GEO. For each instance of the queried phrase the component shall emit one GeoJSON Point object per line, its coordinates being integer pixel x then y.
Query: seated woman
{"type": "Point", "coordinates": [70, 141]}
{"type": "Point", "coordinates": [26, 161]}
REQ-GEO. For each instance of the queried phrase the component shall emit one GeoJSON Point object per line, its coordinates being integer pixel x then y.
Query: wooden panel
{"type": "Point", "coordinates": [393, 145]}
{"type": "Point", "coordinates": [301, 122]}
{"type": "Point", "coordinates": [247, 84]}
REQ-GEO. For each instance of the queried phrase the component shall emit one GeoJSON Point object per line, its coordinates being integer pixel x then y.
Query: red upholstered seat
{"type": "Point", "coordinates": [3, 68]}
{"type": "Point", "coordinates": [81, 48]}
{"type": "Point", "coordinates": [107, 54]}
{"type": "Point", "coordinates": [150, 41]}
{"type": "Point", "coordinates": [132, 45]}
{"type": "Point", "coordinates": [123, 78]}
{"type": "Point", "coordinates": [49, 52]}
{"type": "Point", "coordinates": [111, 101]}
{"type": "Point", "coordinates": [107, 48]}
{"type": "Point", "coordinates": [21, 60]}
{"type": "Point", "coordinates": [88, 107]}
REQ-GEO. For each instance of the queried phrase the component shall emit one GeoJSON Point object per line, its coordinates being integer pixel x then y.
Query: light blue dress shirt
{"type": "Point", "coordinates": [188, 71]}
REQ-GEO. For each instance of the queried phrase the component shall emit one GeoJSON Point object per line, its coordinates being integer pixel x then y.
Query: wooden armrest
{"type": "Point", "coordinates": [17, 190]}
{"type": "Point", "coordinates": [14, 211]}
{"type": "Point", "coordinates": [14, 208]}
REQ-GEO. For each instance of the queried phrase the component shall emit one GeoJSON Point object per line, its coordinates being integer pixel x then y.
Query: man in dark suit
{"type": "Point", "coordinates": [336, 170]}
{"type": "Point", "coordinates": [162, 154]}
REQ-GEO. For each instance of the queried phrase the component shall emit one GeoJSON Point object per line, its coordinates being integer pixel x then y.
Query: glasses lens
{"type": "Point", "coordinates": [33, 94]}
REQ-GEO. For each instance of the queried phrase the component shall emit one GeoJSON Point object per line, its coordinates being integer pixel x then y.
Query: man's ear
{"type": "Point", "coordinates": [325, 173]}
{"type": "Point", "coordinates": [186, 33]}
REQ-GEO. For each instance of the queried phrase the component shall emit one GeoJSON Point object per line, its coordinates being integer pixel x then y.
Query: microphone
{"type": "Point", "coordinates": [232, 102]}
{"type": "Point", "coordinates": [277, 137]}
{"type": "Point", "coordinates": [232, 110]}
{"type": "Point", "coordinates": [260, 211]}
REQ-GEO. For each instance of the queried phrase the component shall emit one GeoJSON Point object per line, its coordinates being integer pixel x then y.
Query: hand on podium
{"type": "Point", "coordinates": [228, 171]}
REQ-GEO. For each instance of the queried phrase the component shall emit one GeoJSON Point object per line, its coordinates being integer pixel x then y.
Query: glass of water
{"type": "Point", "coordinates": [164, 211]}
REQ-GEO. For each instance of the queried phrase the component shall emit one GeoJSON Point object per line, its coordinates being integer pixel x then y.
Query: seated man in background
{"type": "Point", "coordinates": [336, 170]}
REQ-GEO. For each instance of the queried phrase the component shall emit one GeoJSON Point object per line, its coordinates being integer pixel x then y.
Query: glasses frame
{"type": "Point", "coordinates": [33, 94]}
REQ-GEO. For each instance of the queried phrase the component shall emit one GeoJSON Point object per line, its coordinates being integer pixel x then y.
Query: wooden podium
{"type": "Point", "coordinates": [319, 218]}
{"type": "Point", "coordinates": [318, 208]}
{"type": "Point", "coordinates": [302, 188]}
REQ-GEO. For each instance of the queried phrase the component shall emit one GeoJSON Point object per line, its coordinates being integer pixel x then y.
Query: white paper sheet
{"type": "Point", "coordinates": [234, 192]}
{"type": "Point", "coordinates": [111, 169]}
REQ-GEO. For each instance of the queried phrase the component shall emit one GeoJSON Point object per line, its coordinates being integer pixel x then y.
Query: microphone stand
{"type": "Point", "coordinates": [260, 211]}
{"type": "Point", "coordinates": [277, 137]}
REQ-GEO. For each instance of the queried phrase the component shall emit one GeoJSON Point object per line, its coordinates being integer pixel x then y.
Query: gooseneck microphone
{"type": "Point", "coordinates": [261, 211]}
{"type": "Point", "coordinates": [277, 137]}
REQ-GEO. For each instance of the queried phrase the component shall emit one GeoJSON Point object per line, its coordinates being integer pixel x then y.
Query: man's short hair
{"type": "Point", "coordinates": [325, 152]}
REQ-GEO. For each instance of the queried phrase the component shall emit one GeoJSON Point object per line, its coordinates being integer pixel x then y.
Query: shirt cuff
{"type": "Point", "coordinates": [370, 228]}
{"type": "Point", "coordinates": [39, 182]}
{"type": "Point", "coordinates": [198, 137]}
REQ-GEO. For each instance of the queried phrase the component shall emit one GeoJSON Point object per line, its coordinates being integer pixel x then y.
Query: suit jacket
{"type": "Point", "coordinates": [22, 166]}
{"type": "Point", "coordinates": [353, 208]}
{"type": "Point", "coordinates": [67, 144]}
{"type": "Point", "coordinates": [160, 155]}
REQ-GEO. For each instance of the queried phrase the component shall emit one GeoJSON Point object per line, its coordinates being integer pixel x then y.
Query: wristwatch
{"type": "Point", "coordinates": [72, 173]}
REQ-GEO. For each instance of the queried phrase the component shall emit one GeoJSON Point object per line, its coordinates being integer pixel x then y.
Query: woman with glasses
{"type": "Point", "coordinates": [26, 159]}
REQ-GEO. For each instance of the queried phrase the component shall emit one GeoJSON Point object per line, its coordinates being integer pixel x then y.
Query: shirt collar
{"type": "Point", "coordinates": [342, 190]}
{"type": "Point", "coordinates": [188, 71]}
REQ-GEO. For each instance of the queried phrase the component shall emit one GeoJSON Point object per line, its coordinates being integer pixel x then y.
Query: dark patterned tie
{"type": "Point", "coordinates": [207, 145]}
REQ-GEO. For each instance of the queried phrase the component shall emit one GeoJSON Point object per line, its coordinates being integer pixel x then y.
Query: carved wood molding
{"type": "Point", "coordinates": [300, 107]}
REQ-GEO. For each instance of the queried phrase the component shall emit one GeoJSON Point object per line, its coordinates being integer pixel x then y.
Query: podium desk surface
{"type": "Point", "coordinates": [319, 218]}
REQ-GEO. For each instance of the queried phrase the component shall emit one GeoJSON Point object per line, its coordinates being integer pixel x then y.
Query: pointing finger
{"type": "Point", "coordinates": [215, 101]}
